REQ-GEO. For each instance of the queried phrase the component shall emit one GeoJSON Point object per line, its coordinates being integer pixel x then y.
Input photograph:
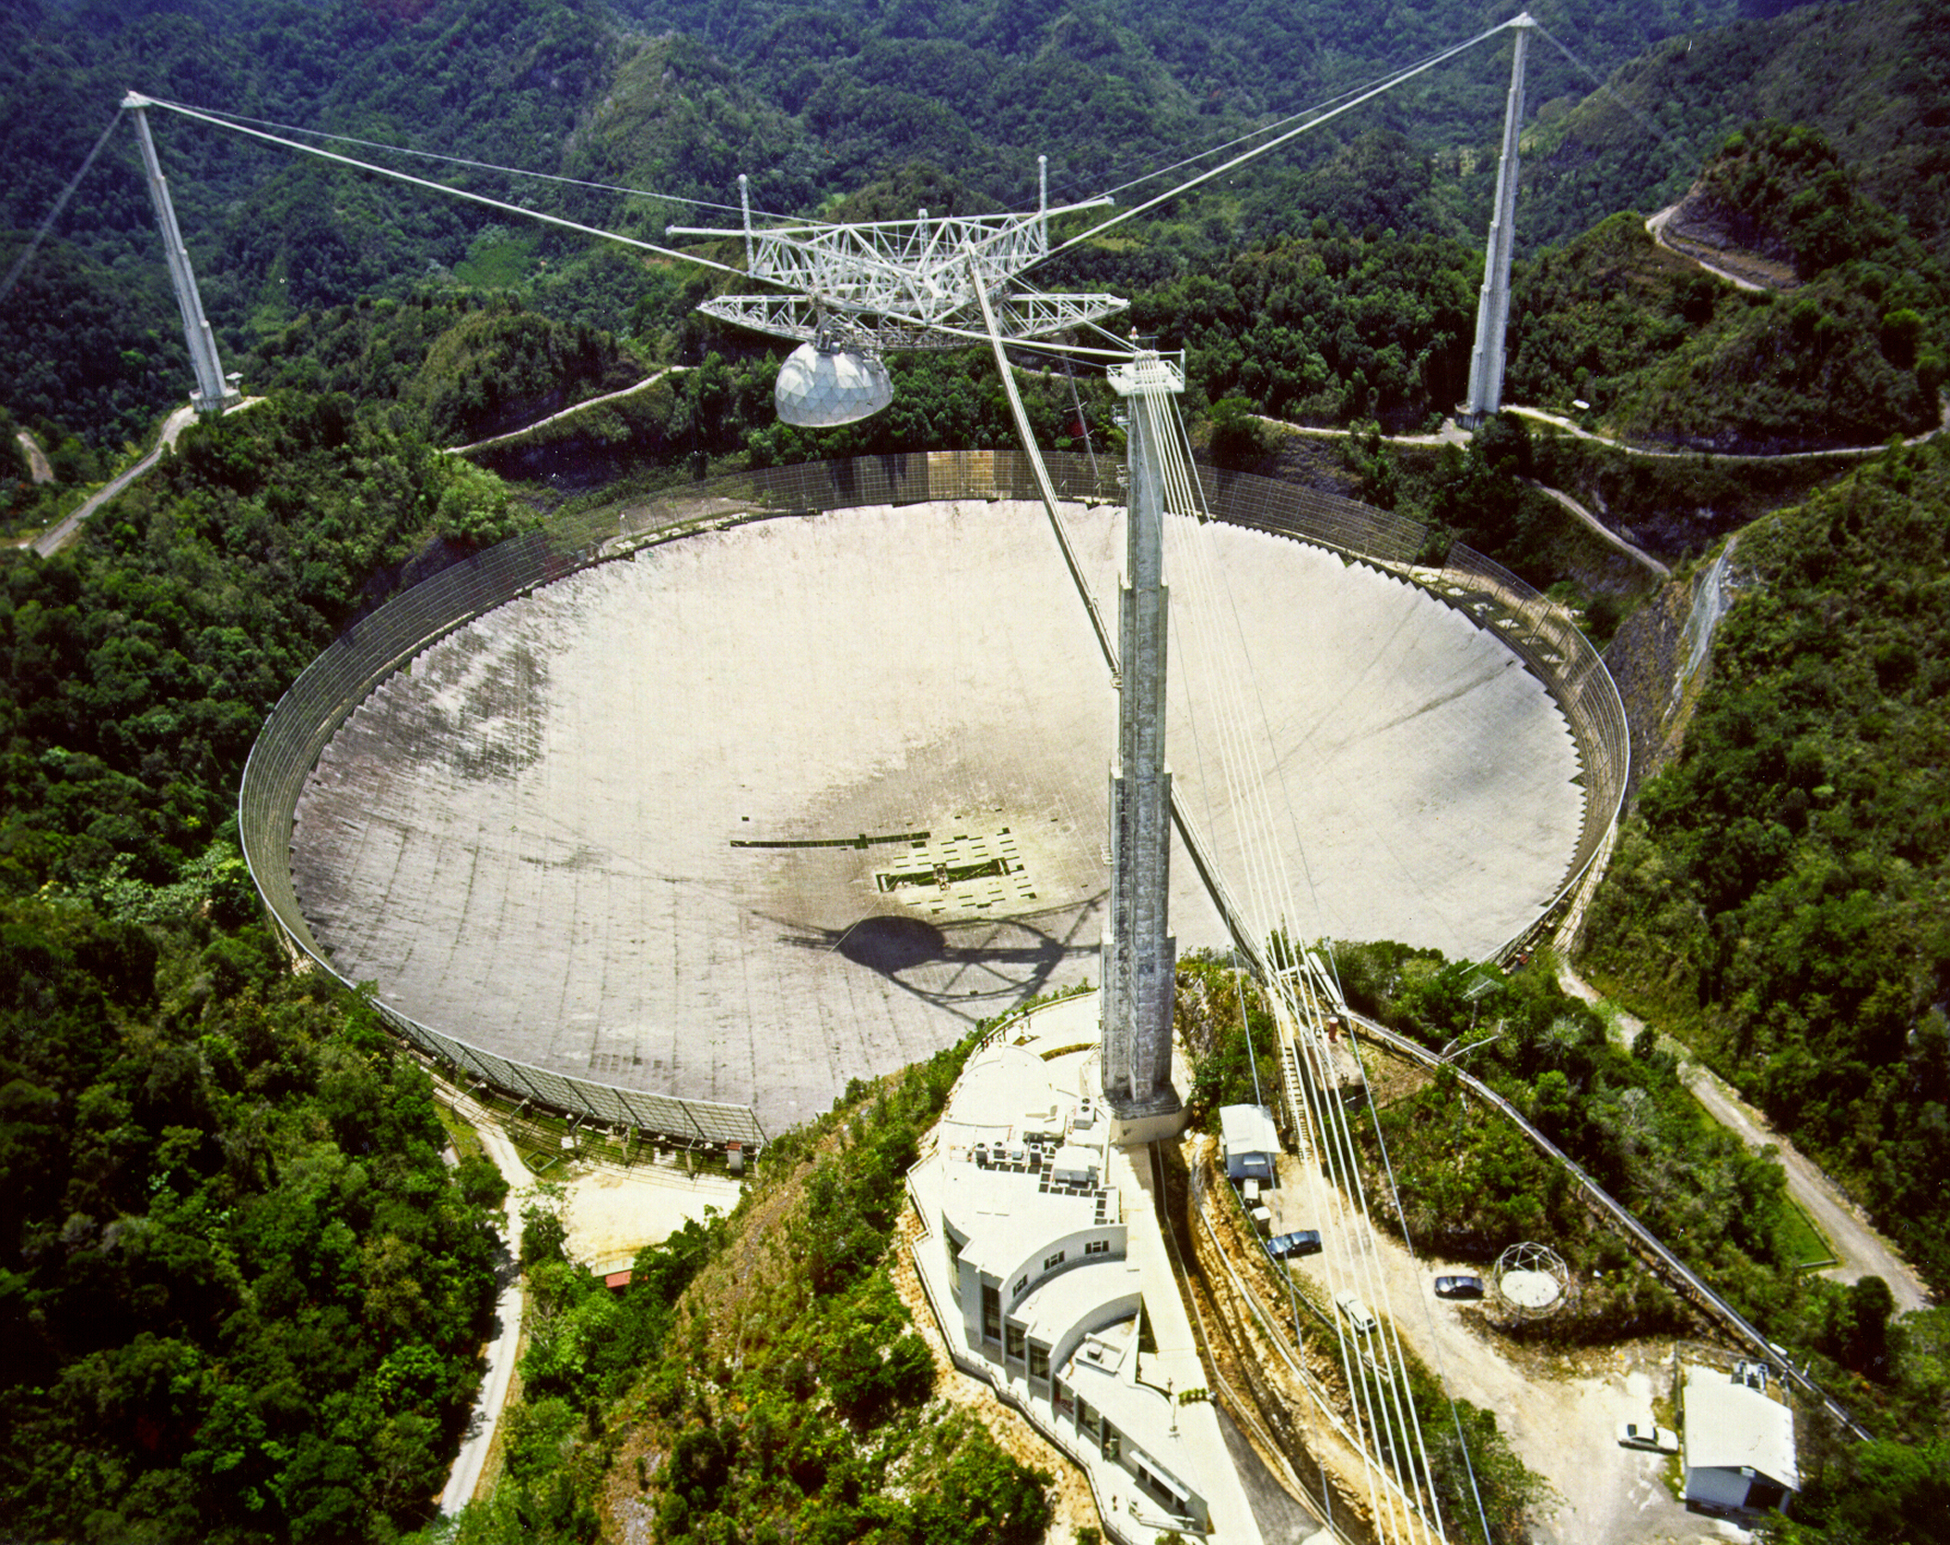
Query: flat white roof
{"type": "Point", "coordinates": [1248, 1129]}
{"type": "Point", "coordinates": [1732, 1427]}
{"type": "Point", "coordinates": [1004, 1215]}
{"type": "Point", "coordinates": [1057, 1303]}
{"type": "Point", "coordinates": [1006, 1090]}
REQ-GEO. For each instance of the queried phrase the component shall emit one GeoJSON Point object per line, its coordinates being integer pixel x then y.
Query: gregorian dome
{"type": "Point", "coordinates": [826, 383]}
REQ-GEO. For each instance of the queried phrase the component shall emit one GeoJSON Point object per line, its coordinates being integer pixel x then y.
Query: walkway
{"type": "Point", "coordinates": [1655, 227]}
{"type": "Point", "coordinates": [1843, 452]}
{"type": "Point", "coordinates": [580, 407]}
{"type": "Point", "coordinates": [1602, 530]}
{"type": "Point", "coordinates": [38, 469]}
{"type": "Point", "coordinates": [52, 541]}
{"type": "Point", "coordinates": [505, 1350]}
{"type": "Point", "coordinates": [1859, 1250]}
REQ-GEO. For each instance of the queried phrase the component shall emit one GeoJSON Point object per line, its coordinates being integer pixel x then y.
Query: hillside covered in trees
{"type": "Point", "coordinates": [241, 1292]}
{"type": "Point", "coordinates": [677, 100]}
{"type": "Point", "coordinates": [1780, 900]}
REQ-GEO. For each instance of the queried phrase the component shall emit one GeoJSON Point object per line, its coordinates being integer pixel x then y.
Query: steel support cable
{"type": "Point", "coordinates": [1389, 84]}
{"type": "Point", "coordinates": [1402, 1394]}
{"type": "Point", "coordinates": [1387, 1392]}
{"type": "Point", "coordinates": [1311, 1019]}
{"type": "Point", "coordinates": [60, 203]}
{"type": "Point", "coordinates": [1076, 405]}
{"type": "Point", "coordinates": [1245, 1021]}
{"type": "Point", "coordinates": [1043, 483]}
{"type": "Point", "coordinates": [1404, 1387]}
{"type": "Point", "coordinates": [1163, 435]}
{"type": "Point", "coordinates": [1428, 1314]}
{"type": "Point", "coordinates": [1364, 1398]}
{"type": "Point", "coordinates": [1293, 819]}
{"type": "Point", "coordinates": [1283, 876]}
{"type": "Point", "coordinates": [1253, 134]}
{"type": "Point", "coordinates": [1393, 1393]}
{"type": "Point", "coordinates": [228, 117]}
{"type": "Point", "coordinates": [1378, 1388]}
{"type": "Point", "coordinates": [1604, 86]}
{"type": "Point", "coordinates": [439, 187]}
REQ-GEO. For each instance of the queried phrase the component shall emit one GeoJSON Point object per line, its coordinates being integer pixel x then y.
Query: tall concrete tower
{"type": "Point", "coordinates": [1139, 954]}
{"type": "Point", "coordinates": [213, 393]}
{"type": "Point", "coordinates": [1493, 308]}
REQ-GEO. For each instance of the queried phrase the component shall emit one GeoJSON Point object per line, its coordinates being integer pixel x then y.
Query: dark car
{"type": "Point", "coordinates": [1459, 1287]}
{"type": "Point", "coordinates": [1304, 1241]}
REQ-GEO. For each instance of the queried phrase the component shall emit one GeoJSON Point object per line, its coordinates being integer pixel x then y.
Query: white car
{"type": "Point", "coordinates": [1662, 1440]}
{"type": "Point", "coordinates": [1357, 1314]}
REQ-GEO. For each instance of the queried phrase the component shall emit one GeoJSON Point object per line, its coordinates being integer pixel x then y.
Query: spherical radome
{"type": "Point", "coordinates": [819, 388]}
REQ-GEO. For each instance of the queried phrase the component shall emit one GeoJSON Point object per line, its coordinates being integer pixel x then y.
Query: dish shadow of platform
{"type": "Point", "coordinates": [763, 810]}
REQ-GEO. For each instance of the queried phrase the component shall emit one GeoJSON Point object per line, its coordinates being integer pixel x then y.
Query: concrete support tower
{"type": "Point", "coordinates": [1493, 308]}
{"type": "Point", "coordinates": [1139, 954]}
{"type": "Point", "coordinates": [213, 393]}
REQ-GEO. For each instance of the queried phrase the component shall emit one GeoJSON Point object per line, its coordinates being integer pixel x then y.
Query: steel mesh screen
{"type": "Point", "coordinates": [328, 690]}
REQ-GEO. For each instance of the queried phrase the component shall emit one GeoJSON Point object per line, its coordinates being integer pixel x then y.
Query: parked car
{"type": "Point", "coordinates": [1463, 1286]}
{"type": "Point", "coordinates": [1662, 1440]}
{"type": "Point", "coordinates": [1304, 1241]}
{"type": "Point", "coordinates": [1357, 1314]}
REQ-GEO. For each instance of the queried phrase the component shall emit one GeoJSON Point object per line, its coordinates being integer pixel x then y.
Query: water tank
{"type": "Point", "coordinates": [820, 386]}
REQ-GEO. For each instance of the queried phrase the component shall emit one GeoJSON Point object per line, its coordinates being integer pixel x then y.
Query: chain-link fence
{"type": "Point", "coordinates": [338, 681]}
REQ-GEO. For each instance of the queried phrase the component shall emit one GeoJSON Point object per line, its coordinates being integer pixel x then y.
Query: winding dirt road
{"type": "Point", "coordinates": [1603, 530]}
{"type": "Point", "coordinates": [57, 537]}
{"type": "Point", "coordinates": [1655, 227]}
{"type": "Point", "coordinates": [1859, 1250]}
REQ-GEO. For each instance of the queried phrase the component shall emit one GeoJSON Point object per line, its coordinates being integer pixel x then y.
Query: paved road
{"type": "Point", "coordinates": [506, 1346]}
{"type": "Point", "coordinates": [52, 541]}
{"type": "Point", "coordinates": [569, 412]}
{"type": "Point", "coordinates": [1859, 1250]}
{"type": "Point", "coordinates": [38, 470]}
{"type": "Point", "coordinates": [1843, 453]}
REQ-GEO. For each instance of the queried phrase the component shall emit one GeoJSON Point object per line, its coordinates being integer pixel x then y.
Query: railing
{"type": "Point", "coordinates": [1670, 1266]}
{"type": "Point", "coordinates": [334, 684]}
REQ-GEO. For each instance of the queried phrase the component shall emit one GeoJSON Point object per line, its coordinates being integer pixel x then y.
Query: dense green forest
{"type": "Point", "coordinates": [1870, 76]}
{"type": "Point", "coordinates": [1778, 903]}
{"type": "Point", "coordinates": [243, 1292]}
{"type": "Point", "coordinates": [679, 100]}
{"type": "Point", "coordinates": [1779, 900]}
{"type": "Point", "coordinates": [242, 1296]}
{"type": "Point", "coordinates": [759, 1378]}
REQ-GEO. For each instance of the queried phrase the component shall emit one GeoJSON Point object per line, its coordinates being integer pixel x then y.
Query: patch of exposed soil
{"type": "Point", "coordinates": [1391, 1076]}
{"type": "Point", "coordinates": [1643, 658]}
{"type": "Point", "coordinates": [1701, 227]}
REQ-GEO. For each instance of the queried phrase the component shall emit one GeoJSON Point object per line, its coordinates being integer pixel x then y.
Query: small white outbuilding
{"type": "Point", "coordinates": [1739, 1444]}
{"type": "Point", "coordinates": [1248, 1141]}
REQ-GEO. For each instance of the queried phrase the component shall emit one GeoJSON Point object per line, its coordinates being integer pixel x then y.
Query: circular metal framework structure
{"type": "Point", "coordinates": [1532, 1280]}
